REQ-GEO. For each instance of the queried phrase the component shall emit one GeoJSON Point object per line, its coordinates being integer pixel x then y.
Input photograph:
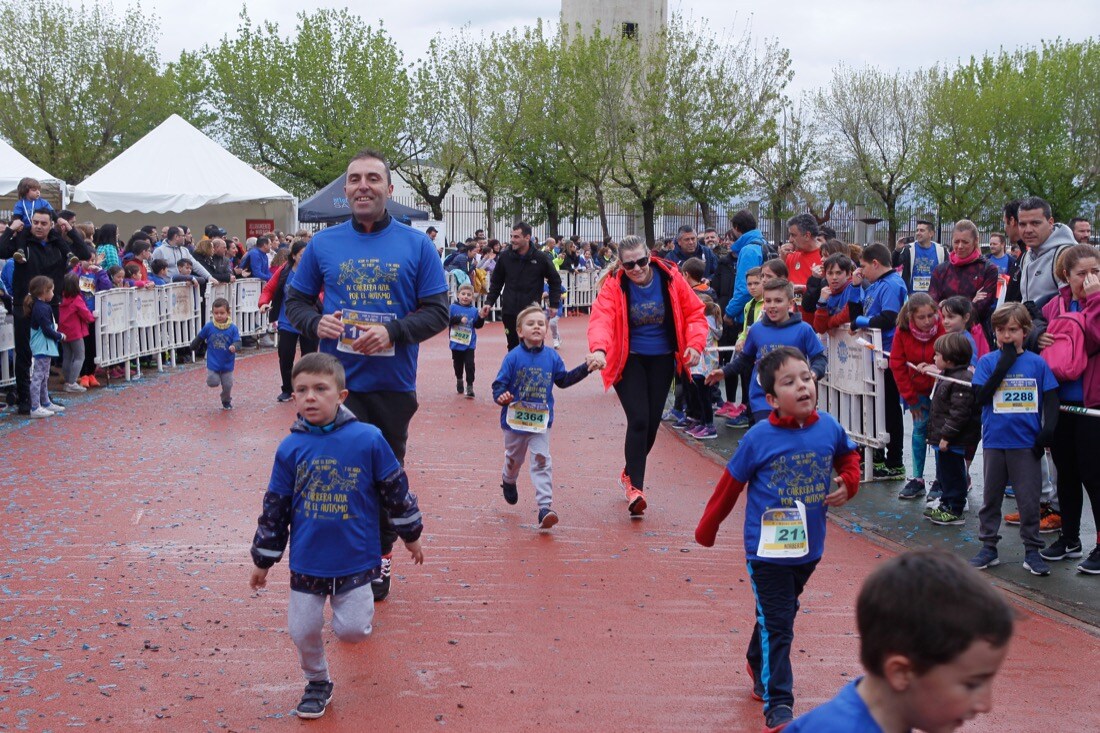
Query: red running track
{"type": "Point", "coordinates": [124, 598]}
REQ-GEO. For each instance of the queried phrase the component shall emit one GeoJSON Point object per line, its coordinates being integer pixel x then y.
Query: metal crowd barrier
{"type": "Point", "coordinates": [7, 351]}
{"type": "Point", "coordinates": [854, 388]}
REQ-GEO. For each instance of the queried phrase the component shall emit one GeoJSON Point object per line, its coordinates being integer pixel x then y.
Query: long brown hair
{"type": "Point", "coordinates": [38, 285]}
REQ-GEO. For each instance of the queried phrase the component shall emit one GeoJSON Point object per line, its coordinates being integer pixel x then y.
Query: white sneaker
{"type": "Point", "coordinates": [557, 343]}
{"type": "Point", "coordinates": [74, 387]}
{"type": "Point", "coordinates": [53, 407]}
{"type": "Point", "coordinates": [265, 341]}
{"type": "Point", "coordinates": [41, 412]}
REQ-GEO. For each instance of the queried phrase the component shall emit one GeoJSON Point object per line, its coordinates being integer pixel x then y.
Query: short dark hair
{"type": "Point", "coordinates": [369, 154]}
{"type": "Point", "coordinates": [892, 611]}
{"type": "Point", "coordinates": [523, 227]}
{"type": "Point", "coordinates": [959, 305]}
{"type": "Point", "coordinates": [743, 221]}
{"type": "Point", "coordinates": [172, 233]}
{"type": "Point", "coordinates": [1074, 220]}
{"type": "Point", "coordinates": [429, 230]}
{"type": "Point", "coordinates": [753, 272]}
{"type": "Point", "coordinates": [184, 261]}
{"type": "Point", "coordinates": [1031, 203]}
{"type": "Point", "coordinates": [320, 363]}
{"type": "Point", "coordinates": [771, 363]}
{"type": "Point", "coordinates": [806, 223]}
{"type": "Point", "coordinates": [999, 235]}
{"type": "Point", "coordinates": [149, 229]}
{"type": "Point", "coordinates": [262, 240]}
{"type": "Point", "coordinates": [780, 283]}
{"type": "Point", "coordinates": [219, 303]}
{"type": "Point", "coordinates": [927, 223]}
{"type": "Point", "coordinates": [158, 266]}
{"type": "Point", "coordinates": [132, 268]}
{"type": "Point", "coordinates": [876, 252]}
{"type": "Point", "coordinates": [67, 214]}
{"type": "Point", "coordinates": [708, 230]}
{"type": "Point", "coordinates": [955, 348]}
{"type": "Point", "coordinates": [827, 231]}
{"type": "Point", "coordinates": [1012, 210]}
{"type": "Point", "coordinates": [693, 267]}
{"type": "Point", "coordinates": [843, 261]}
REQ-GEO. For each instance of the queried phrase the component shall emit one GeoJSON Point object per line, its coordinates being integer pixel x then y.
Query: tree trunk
{"type": "Point", "coordinates": [778, 231]}
{"type": "Point", "coordinates": [891, 223]}
{"type": "Point", "coordinates": [435, 203]}
{"type": "Point", "coordinates": [602, 206]}
{"type": "Point", "coordinates": [709, 217]}
{"type": "Point", "coordinates": [490, 214]}
{"type": "Point", "coordinates": [553, 216]}
{"type": "Point", "coordinates": [649, 221]}
{"type": "Point", "coordinates": [576, 208]}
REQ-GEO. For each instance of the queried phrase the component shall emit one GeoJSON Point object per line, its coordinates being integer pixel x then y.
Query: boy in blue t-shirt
{"type": "Point", "coordinates": [331, 478]}
{"type": "Point", "coordinates": [465, 318]}
{"type": "Point", "coordinates": [776, 328]}
{"type": "Point", "coordinates": [786, 463]}
{"type": "Point", "coordinates": [524, 388]}
{"type": "Point", "coordinates": [30, 200]}
{"type": "Point", "coordinates": [1018, 394]}
{"type": "Point", "coordinates": [222, 338]}
{"type": "Point", "coordinates": [876, 305]}
{"type": "Point", "coordinates": [924, 671]}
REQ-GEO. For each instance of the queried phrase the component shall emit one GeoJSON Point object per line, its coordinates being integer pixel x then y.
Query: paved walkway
{"type": "Point", "coordinates": [124, 598]}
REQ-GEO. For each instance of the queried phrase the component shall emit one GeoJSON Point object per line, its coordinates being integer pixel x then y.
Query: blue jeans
{"type": "Point", "coordinates": [951, 473]}
{"type": "Point", "coordinates": [920, 434]}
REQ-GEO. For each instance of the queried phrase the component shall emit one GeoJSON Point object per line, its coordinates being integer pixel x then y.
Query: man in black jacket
{"type": "Point", "coordinates": [521, 271]}
{"type": "Point", "coordinates": [44, 251]}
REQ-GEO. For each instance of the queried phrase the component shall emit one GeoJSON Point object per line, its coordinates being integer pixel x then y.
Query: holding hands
{"type": "Point", "coordinates": [595, 361]}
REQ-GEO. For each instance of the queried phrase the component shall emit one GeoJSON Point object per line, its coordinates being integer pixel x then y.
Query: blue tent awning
{"type": "Point", "coordinates": [330, 205]}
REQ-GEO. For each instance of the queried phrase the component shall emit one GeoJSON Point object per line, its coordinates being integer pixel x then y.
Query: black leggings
{"type": "Point", "coordinates": [464, 361]}
{"type": "Point", "coordinates": [88, 368]}
{"type": "Point", "coordinates": [510, 334]}
{"type": "Point", "coordinates": [288, 344]}
{"type": "Point", "coordinates": [642, 390]}
{"type": "Point", "coordinates": [1075, 437]}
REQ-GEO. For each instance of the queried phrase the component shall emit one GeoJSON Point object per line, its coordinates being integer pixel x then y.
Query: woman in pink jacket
{"type": "Point", "coordinates": [646, 322]}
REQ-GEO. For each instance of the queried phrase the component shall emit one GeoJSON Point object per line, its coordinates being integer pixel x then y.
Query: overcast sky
{"type": "Point", "coordinates": [886, 33]}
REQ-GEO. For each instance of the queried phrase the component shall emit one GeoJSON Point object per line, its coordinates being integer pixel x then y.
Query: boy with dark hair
{"type": "Point", "coordinates": [331, 477]}
{"type": "Point", "coordinates": [158, 272]}
{"type": "Point", "coordinates": [693, 269]}
{"type": "Point", "coordinates": [828, 292]}
{"type": "Point", "coordinates": [222, 340]}
{"type": "Point", "coordinates": [877, 305]}
{"type": "Point", "coordinates": [30, 200]}
{"type": "Point", "coordinates": [777, 327]}
{"type": "Point", "coordinates": [954, 428]}
{"type": "Point", "coordinates": [786, 463]}
{"type": "Point", "coordinates": [926, 671]}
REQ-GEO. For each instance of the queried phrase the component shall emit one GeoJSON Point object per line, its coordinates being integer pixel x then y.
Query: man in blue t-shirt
{"type": "Point", "coordinates": [919, 259]}
{"type": "Point", "coordinates": [255, 260]}
{"type": "Point", "coordinates": [1005, 262]}
{"type": "Point", "coordinates": [385, 292]}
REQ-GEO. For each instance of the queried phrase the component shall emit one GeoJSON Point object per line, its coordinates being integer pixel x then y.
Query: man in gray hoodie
{"type": "Point", "coordinates": [1035, 282]}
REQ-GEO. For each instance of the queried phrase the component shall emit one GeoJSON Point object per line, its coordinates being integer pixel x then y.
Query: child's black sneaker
{"type": "Point", "coordinates": [284, 397]}
{"type": "Point", "coordinates": [1060, 550]}
{"type": "Point", "coordinates": [1091, 565]}
{"type": "Point", "coordinates": [511, 494]}
{"type": "Point", "coordinates": [469, 390]}
{"type": "Point", "coordinates": [380, 586]}
{"type": "Point", "coordinates": [314, 701]}
{"type": "Point", "coordinates": [458, 386]}
{"type": "Point", "coordinates": [778, 718]}
{"type": "Point", "coordinates": [912, 489]}
{"type": "Point", "coordinates": [547, 518]}
{"type": "Point", "coordinates": [227, 405]}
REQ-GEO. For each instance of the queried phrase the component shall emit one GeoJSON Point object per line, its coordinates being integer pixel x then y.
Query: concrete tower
{"type": "Point", "coordinates": [628, 18]}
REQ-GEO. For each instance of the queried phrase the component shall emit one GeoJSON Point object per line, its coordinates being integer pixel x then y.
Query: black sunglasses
{"type": "Point", "coordinates": [639, 263]}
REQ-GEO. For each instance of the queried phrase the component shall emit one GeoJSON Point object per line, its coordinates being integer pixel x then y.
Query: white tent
{"type": "Point", "coordinates": [15, 166]}
{"type": "Point", "coordinates": [178, 170]}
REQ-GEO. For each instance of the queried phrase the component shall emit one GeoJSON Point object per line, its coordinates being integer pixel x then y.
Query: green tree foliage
{"type": "Point", "coordinates": [84, 82]}
{"type": "Point", "coordinates": [298, 107]}
{"type": "Point", "coordinates": [784, 169]}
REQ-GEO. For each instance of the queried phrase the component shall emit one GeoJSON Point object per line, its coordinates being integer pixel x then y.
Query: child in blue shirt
{"type": "Point", "coordinates": [331, 479]}
{"type": "Point", "coordinates": [1018, 394]}
{"type": "Point", "coordinates": [465, 318]}
{"type": "Point", "coordinates": [222, 339]}
{"type": "Point", "coordinates": [924, 671]}
{"type": "Point", "coordinates": [777, 327]}
{"type": "Point", "coordinates": [30, 200]}
{"type": "Point", "coordinates": [158, 273]}
{"type": "Point", "coordinates": [524, 388]}
{"type": "Point", "coordinates": [786, 464]}
{"type": "Point", "coordinates": [876, 305]}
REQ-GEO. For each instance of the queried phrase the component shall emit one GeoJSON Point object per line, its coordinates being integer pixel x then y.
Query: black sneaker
{"type": "Point", "coordinates": [913, 489]}
{"type": "Point", "coordinates": [882, 472]}
{"type": "Point", "coordinates": [547, 518]}
{"type": "Point", "coordinates": [458, 385]}
{"type": "Point", "coordinates": [1061, 550]}
{"type": "Point", "coordinates": [380, 586]}
{"type": "Point", "coordinates": [314, 700]}
{"type": "Point", "coordinates": [511, 495]}
{"type": "Point", "coordinates": [777, 718]}
{"type": "Point", "coordinates": [1092, 564]}
{"type": "Point", "coordinates": [469, 390]}
{"type": "Point", "coordinates": [284, 397]}
{"type": "Point", "coordinates": [227, 405]}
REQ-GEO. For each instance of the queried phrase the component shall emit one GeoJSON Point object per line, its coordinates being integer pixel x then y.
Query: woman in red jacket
{"type": "Point", "coordinates": [645, 323]}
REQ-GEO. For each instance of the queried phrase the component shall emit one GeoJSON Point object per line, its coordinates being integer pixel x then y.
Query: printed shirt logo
{"type": "Point", "coordinates": [323, 487]}
{"type": "Point", "coordinates": [802, 476]}
{"type": "Point", "coordinates": [647, 313]}
{"type": "Point", "coordinates": [368, 280]}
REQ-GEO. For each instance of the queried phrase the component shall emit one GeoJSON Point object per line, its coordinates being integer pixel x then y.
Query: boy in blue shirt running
{"type": "Point", "coordinates": [524, 388]}
{"type": "Point", "coordinates": [222, 338]}
{"type": "Point", "coordinates": [930, 671]}
{"type": "Point", "coordinates": [786, 464]}
{"type": "Point", "coordinates": [331, 478]}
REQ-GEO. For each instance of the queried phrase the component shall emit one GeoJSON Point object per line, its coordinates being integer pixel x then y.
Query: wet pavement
{"type": "Point", "coordinates": [124, 566]}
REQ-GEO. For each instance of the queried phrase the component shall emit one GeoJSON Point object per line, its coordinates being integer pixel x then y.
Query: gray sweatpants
{"type": "Point", "coordinates": [40, 376]}
{"type": "Point", "coordinates": [516, 445]}
{"type": "Point", "coordinates": [72, 359]}
{"type": "Point", "coordinates": [224, 380]}
{"type": "Point", "coordinates": [352, 619]}
{"type": "Point", "coordinates": [1023, 470]}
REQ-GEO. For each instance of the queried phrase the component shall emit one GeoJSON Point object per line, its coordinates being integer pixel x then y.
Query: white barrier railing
{"type": "Point", "coordinates": [7, 351]}
{"type": "Point", "coordinates": [113, 340]}
{"type": "Point", "coordinates": [132, 323]}
{"type": "Point", "coordinates": [181, 316]}
{"type": "Point", "coordinates": [246, 307]}
{"type": "Point", "coordinates": [215, 290]}
{"type": "Point", "coordinates": [579, 291]}
{"type": "Point", "coordinates": [854, 389]}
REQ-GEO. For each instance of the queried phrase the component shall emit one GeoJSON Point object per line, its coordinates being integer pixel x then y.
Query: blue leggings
{"type": "Point", "coordinates": [920, 434]}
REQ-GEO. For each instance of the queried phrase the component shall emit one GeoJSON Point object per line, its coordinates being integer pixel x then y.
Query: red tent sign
{"type": "Point", "coordinates": [258, 227]}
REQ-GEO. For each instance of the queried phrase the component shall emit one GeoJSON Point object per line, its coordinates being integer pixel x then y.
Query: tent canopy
{"type": "Point", "coordinates": [329, 205]}
{"type": "Point", "coordinates": [15, 166]}
{"type": "Point", "coordinates": [175, 168]}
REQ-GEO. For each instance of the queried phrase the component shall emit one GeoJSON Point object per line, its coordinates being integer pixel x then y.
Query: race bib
{"type": "Point", "coordinates": [528, 417]}
{"type": "Point", "coordinates": [1016, 395]}
{"type": "Point", "coordinates": [461, 335]}
{"type": "Point", "coordinates": [783, 532]}
{"type": "Point", "coordinates": [87, 284]}
{"type": "Point", "coordinates": [922, 283]}
{"type": "Point", "coordinates": [356, 323]}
